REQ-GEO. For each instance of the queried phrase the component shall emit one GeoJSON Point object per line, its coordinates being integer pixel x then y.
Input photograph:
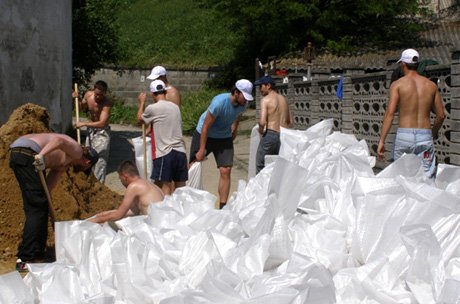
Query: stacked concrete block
{"type": "Point", "coordinates": [303, 104]}
{"type": "Point", "coordinates": [347, 103]}
{"type": "Point", "coordinates": [365, 98]}
{"type": "Point", "coordinates": [369, 100]}
{"type": "Point", "coordinates": [454, 136]}
{"type": "Point", "coordinates": [127, 84]}
{"type": "Point", "coordinates": [441, 75]}
{"type": "Point", "coordinates": [329, 104]}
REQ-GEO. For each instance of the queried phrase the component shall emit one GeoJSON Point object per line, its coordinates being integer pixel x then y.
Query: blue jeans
{"type": "Point", "coordinates": [418, 142]}
{"type": "Point", "coordinates": [269, 145]}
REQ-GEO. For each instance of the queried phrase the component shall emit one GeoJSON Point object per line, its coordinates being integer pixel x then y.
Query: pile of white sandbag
{"type": "Point", "coordinates": [315, 226]}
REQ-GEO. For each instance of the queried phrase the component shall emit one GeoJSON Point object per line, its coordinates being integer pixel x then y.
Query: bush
{"type": "Point", "coordinates": [193, 105]}
{"type": "Point", "coordinates": [121, 113]}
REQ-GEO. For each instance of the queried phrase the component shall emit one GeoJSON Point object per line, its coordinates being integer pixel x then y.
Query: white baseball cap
{"type": "Point", "coordinates": [157, 72]}
{"type": "Point", "coordinates": [245, 86]}
{"type": "Point", "coordinates": [157, 86]}
{"type": "Point", "coordinates": [409, 56]}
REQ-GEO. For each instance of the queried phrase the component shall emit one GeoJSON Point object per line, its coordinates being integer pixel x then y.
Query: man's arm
{"type": "Point", "coordinates": [263, 115]}
{"type": "Point", "coordinates": [208, 122]}
{"type": "Point", "coordinates": [103, 118]}
{"type": "Point", "coordinates": [141, 106]}
{"type": "Point", "coordinates": [388, 118]}
{"type": "Point", "coordinates": [52, 178]}
{"type": "Point", "coordinates": [122, 211]}
{"type": "Point", "coordinates": [438, 109]}
{"type": "Point", "coordinates": [235, 125]}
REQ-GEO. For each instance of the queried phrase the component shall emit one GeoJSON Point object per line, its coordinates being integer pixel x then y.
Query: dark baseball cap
{"type": "Point", "coordinates": [264, 80]}
{"type": "Point", "coordinates": [90, 154]}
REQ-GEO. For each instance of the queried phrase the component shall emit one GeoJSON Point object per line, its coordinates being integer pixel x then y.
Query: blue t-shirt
{"type": "Point", "coordinates": [225, 113]}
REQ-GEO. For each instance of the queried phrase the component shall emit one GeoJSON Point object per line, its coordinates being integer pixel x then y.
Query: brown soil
{"type": "Point", "coordinates": [76, 197]}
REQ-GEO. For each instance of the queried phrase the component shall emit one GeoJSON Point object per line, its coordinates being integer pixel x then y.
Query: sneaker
{"type": "Point", "coordinates": [21, 266]}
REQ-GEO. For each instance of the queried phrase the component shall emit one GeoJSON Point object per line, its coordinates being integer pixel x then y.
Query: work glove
{"type": "Point", "coordinates": [39, 162]}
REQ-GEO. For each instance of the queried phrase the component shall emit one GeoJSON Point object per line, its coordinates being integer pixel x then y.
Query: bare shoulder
{"type": "Point", "coordinates": [88, 94]}
{"type": "Point", "coordinates": [108, 102]}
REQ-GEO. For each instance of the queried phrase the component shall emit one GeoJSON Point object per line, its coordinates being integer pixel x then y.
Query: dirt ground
{"type": "Point", "coordinates": [76, 197]}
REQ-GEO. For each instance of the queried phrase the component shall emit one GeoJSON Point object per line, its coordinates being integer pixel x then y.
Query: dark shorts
{"type": "Point", "coordinates": [171, 167]}
{"type": "Point", "coordinates": [222, 148]}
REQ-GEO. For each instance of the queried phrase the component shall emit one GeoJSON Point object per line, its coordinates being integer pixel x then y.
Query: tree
{"type": "Point", "coordinates": [275, 27]}
{"type": "Point", "coordinates": [94, 36]}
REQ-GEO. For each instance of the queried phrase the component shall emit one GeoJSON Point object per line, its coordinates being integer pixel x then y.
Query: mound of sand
{"type": "Point", "coordinates": [76, 197]}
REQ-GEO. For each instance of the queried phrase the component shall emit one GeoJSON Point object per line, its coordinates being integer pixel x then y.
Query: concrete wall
{"type": "Point", "coordinates": [36, 58]}
{"type": "Point", "coordinates": [129, 83]}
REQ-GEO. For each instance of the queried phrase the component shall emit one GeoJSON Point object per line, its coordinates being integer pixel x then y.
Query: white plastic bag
{"type": "Point", "coordinates": [195, 176]}
{"type": "Point", "coordinates": [138, 143]}
{"type": "Point", "coordinates": [253, 145]}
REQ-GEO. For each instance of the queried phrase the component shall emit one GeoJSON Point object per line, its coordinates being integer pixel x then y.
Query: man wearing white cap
{"type": "Point", "coordinates": [173, 93]}
{"type": "Point", "coordinates": [170, 165]}
{"type": "Point", "coordinates": [415, 96]}
{"type": "Point", "coordinates": [216, 130]}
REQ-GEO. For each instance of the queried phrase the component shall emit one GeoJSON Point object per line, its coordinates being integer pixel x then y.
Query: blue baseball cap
{"type": "Point", "coordinates": [264, 80]}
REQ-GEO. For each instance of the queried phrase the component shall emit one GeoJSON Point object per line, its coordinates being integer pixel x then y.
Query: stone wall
{"type": "Point", "coordinates": [36, 58]}
{"type": "Point", "coordinates": [362, 108]}
{"type": "Point", "coordinates": [127, 84]}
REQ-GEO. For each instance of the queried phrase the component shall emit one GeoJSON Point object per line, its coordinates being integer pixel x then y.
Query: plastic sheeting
{"type": "Point", "coordinates": [314, 226]}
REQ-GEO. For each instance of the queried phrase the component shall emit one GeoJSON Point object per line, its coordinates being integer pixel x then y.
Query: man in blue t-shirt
{"type": "Point", "coordinates": [217, 129]}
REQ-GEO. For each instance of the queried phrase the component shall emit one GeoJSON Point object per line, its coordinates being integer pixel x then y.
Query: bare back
{"type": "Point", "coordinates": [275, 112]}
{"type": "Point", "coordinates": [142, 193]}
{"type": "Point", "coordinates": [416, 96]}
{"type": "Point", "coordinates": [173, 94]}
{"type": "Point", "coordinates": [59, 150]}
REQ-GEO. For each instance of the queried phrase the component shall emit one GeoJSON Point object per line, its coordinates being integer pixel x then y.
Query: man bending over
{"type": "Point", "coordinates": [139, 194]}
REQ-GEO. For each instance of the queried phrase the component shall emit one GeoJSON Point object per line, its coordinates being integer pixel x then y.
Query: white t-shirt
{"type": "Point", "coordinates": [167, 126]}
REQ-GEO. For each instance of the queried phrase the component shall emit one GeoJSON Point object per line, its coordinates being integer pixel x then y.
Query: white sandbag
{"type": "Point", "coordinates": [195, 176]}
{"type": "Point", "coordinates": [448, 178]}
{"type": "Point", "coordinates": [253, 146]}
{"type": "Point", "coordinates": [138, 143]}
{"type": "Point", "coordinates": [13, 289]}
{"type": "Point", "coordinates": [318, 211]}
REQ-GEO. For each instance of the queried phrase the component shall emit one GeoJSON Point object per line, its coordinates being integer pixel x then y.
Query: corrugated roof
{"type": "Point", "coordinates": [443, 39]}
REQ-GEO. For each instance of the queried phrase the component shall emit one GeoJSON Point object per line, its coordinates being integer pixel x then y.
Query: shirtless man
{"type": "Point", "coordinates": [416, 96]}
{"type": "Point", "coordinates": [36, 152]}
{"type": "Point", "coordinates": [139, 195]}
{"type": "Point", "coordinates": [98, 106]}
{"type": "Point", "coordinates": [274, 114]}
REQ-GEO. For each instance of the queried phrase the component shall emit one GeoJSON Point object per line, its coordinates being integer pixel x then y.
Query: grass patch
{"type": "Point", "coordinates": [174, 33]}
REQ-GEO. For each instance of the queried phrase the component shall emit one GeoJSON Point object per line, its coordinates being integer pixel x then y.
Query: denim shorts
{"type": "Point", "coordinates": [418, 142]}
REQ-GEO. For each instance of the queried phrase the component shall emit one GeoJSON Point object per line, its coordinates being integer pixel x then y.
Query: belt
{"type": "Point", "coordinates": [25, 151]}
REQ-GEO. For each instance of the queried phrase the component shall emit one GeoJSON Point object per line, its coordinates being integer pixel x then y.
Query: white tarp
{"type": "Point", "coordinates": [315, 226]}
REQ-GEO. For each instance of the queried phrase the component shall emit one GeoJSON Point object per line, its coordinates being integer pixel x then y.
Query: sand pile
{"type": "Point", "coordinates": [76, 197]}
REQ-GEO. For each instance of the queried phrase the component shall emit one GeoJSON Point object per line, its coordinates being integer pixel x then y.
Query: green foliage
{"type": "Point", "coordinates": [268, 27]}
{"type": "Point", "coordinates": [174, 33]}
{"type": "Point", "coordinates": [123, 114]}
{"type": "Point", "coordinates": [94, 36]}
{"type": "Point", "coordinates": [193, 105]}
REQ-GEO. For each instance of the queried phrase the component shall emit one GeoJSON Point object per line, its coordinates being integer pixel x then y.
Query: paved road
{"type": "Point", "coordinates": [121, 149]}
